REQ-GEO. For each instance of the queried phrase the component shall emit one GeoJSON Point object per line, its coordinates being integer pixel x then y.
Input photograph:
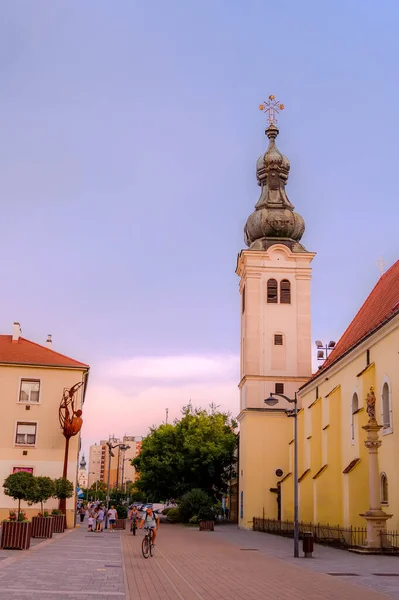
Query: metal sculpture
{"type": "Point", "coordinates": [71, 423]}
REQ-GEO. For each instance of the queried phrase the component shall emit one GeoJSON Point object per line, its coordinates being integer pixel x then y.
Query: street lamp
{"type": "Point", "coordinates": [272, 401]}
{"type": "Point", "coordinates": [111, 447]}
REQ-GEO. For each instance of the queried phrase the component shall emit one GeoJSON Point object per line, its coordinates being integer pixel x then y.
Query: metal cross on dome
{"type": "Point", "coordinates": [272, 107]}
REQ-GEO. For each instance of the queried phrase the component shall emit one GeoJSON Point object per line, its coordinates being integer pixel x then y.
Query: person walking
{"type": "Point", "coordinates": [82, 513]}
{"type": "Point", "coordinates": [112, 517]}
{"type": "Point", "coordinates": [100, 519]}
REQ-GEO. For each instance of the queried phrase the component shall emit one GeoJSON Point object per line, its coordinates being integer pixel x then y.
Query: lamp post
{"type": "Point", "coordinates": [123, 465]}
{"type": "Point", "coordinates": [111, 447]}
{"type": "Point", "coordinates": [272, 401]}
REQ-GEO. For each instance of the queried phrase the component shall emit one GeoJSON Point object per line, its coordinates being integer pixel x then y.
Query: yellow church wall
{"type": "Point", "coordinates": [263, 442]}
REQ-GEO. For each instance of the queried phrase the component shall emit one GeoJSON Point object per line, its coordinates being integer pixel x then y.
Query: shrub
{"type": "Point", "coordinates": [121, 510]}
{"type": "Point", "coordinates": [194, 520]}
{"type": "Point", "coordinates": [192, 503]}
{"type": "Point", "coordinates": [43, 491]}
{"type": "Point", "coordinates": [56, 512]}
{"type": "Point", "coordinates": [173, 515]}
{"type": "Point", "coordinates": [63, 488]}
{"type": "Point", "coordinates": [207, 513]}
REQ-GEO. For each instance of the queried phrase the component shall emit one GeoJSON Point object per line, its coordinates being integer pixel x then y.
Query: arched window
{"type": "Point", "coordinates": [285, 292]}
{"type": "Point", "coordinates": [278, 339]}
{"type": "Point", "coordinates": [272, 291]}
{"type": "Point", "coordinates": [355, 408]}
{"type": "Point", "coordinates": [384, 488]}
{"type": "Point", "coordinates": [386, 407]}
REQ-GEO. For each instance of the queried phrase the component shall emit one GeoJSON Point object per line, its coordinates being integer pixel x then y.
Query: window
{"type": "Point", "coordinates": [386, 407]}
{"type": "Point", "coordinates": [279, 388]}
{"type": "Point", "coordinates": [355, 408]}
{"type": "Point", "coordinates": [384, 488]}
{"type": "Point", "coordinates": [317, 393]}
{"type": "Point", "coordinates": [278, 339]}
{"type": "Point", "coordinates": [272, 291]}
{"type": "Point", "coordinates": [26, 434]}
{"type": "Point", "coordinates": [367, 358]}
{"type": "Point", "coordinates": [285, 292]}
{"type": "Point", "coordinates": [30, 389]}
{"type": "Point", "coordinates": [243, 300]}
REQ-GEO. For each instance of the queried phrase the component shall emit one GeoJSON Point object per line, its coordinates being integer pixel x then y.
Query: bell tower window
{"type": "Point", "coordinates": [285, 292]}
{"type": "Point", "coordinates": [272, 291]}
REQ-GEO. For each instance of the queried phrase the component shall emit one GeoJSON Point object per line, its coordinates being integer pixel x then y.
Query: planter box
{"type": "Point", "coordinates": [16, 536]}
{"type": "Point", "coordinates": [42, 527]}
{"type": "Point", "coordinates": [120, 524]}
{"type": "Point", "coordinates": [207, 526]}
{"type": "Point", "coordinates": [59, 523]}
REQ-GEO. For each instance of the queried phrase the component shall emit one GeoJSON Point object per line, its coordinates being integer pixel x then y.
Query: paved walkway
{"type": "Point", "coordinates": [190, 565]}
{"type": "Point", "coordinates": [232, 565]}
{"type": "Point", "coordinates": [75, 565]}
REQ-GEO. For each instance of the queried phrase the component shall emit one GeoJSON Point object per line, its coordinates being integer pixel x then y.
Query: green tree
{"type": "Point", "coordinates": [44, 490]}
{"type": "Point", "coordinates": [63, 488]}
{"type": "Point", "coordinates": [20, 486]}
{"type": "Point", "coordinates": [195, 452]}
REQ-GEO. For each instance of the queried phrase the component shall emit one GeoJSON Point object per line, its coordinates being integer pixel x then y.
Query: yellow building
{"type": "Point", "coordinates": [333, 458]}
{"type": "Point", "coordinates": [33, 378]}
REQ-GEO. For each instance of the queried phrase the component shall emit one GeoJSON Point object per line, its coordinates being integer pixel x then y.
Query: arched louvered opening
{"type": "Point", "coordinates": [386, 408]}
{"type": "Point", "coordinates": [272, 291]}
{"type": "Point", "coordinates": [355, 408]}
{"type": "Point", "coordinates": [285, 292]}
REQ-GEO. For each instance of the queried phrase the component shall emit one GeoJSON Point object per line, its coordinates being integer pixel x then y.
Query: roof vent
{"type": "Point", "coordinates": [49, 341]}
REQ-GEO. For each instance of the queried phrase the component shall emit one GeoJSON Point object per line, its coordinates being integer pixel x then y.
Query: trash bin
{"type": "Point", "coordinates": [308, 544]}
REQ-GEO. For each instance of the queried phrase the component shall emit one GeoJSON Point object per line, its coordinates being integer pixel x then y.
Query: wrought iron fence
{"type": "Point", "coordinates": [339, 537]}
{"type": "Point", "coordinates": [390, 541]}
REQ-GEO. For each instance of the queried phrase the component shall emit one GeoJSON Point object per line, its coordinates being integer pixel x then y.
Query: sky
{"type": "Point", "coordinates": [129, 136]}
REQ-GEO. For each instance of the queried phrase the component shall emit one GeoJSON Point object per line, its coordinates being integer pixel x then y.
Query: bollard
{"type": "Point", "coordinates": [308, 544]}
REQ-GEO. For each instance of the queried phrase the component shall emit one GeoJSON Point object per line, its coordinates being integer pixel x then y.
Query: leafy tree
{"type": "Point", "coordinates": [195, 452]}
{"type": "Point", "coordinates": [193, 503]}
{"type": "Point", "coordinates": [20, 486]}
{"type": "Point", "coordinates": [44, 490]}
{"type": "Point", "coordinates": [63, 488]}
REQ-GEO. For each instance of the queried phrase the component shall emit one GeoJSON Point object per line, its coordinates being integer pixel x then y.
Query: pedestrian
{"type": "Point", "coordinates": [100, 519]}
{"type": "Point", "coordinates": [82, 513]}
{"type": "Point", "coordinates": [112, 516]}
{"type": "Point", "coordinates": [91, 522]}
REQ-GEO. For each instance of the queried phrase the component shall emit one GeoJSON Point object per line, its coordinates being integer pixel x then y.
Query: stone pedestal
{"type": "Point", "coordinates": [375, 517]}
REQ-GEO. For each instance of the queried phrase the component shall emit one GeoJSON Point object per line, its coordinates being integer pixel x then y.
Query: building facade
{"type": "Point", "coordinates": [33, 378]}
{"type": "Point", "coordinates": [275, 276]}
{"type": "Point", "coordinates": [82, 474]}
{"type": "Point", "coordinates": [119, 465]}
{"type": "Point", "coordinates": [334, 484]}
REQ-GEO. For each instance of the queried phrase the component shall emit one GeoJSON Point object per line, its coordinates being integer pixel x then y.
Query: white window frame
{"type": "Point", "coordinates": [389, 429]}
{"type": "Point", "coordinates": [20, 421]}
{"type": "Point", "coordinates": [36, 379]}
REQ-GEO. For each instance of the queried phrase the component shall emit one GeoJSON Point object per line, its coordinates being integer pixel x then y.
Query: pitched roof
{"type": "Point", "coordinates": [25, 352]}
{"type": "Point", "coordinates": [381, 305]}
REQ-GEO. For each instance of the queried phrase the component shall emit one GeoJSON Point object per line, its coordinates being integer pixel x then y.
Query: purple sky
{"type": "Point", "coordinates": [129, 136]}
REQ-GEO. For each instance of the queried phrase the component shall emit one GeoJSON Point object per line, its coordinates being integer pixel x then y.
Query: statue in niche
{"type": "Point", "coordinates": [370, 404]}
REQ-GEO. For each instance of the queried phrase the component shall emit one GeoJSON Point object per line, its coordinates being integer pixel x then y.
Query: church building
{"type": "Point", "coordinates": [348, 420]}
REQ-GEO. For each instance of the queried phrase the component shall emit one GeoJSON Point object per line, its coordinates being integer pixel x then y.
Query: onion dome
{"type": "Point", "coordinates": [274, 220]}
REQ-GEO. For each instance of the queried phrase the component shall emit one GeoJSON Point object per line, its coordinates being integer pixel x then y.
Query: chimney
{"type": "Point", "coordinates": [49, 341]}
{"type": "Point", "coordinates": [16, 332]}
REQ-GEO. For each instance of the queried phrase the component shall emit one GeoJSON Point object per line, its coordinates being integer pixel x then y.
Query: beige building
{"type": "Point", "coordinates": [122, 471]}
{"type": "Point", "coordinates": [33, 378]}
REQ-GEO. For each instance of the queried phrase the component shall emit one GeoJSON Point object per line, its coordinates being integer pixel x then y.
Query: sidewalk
{"type": "Point", "coordinates": [233, 565]}
{"type": "Point", "coordinates": [75, 565]}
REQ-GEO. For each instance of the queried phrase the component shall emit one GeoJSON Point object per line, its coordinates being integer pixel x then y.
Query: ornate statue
{"type": "Point", "coordinates": [370, 404]}
{"type": "Point", "coordinates": [70, 419]}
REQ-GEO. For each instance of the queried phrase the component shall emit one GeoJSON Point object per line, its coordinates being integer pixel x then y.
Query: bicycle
{"type": "Point", "coordinates": [147, 546]}
{"type": "Point", "coordinates": [133, 527]}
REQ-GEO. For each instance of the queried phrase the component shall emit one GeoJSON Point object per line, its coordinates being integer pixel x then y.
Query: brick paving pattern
{"type": "Point", "coordinates": [227, 564]}
{"type": "Point", "coordinates": [234, 565]}
{"type": "Point", "coordinates": [76, 565]}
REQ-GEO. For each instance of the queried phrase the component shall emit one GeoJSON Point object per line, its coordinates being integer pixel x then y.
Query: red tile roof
{"type": "Point", "coordinates": [24, 352]}
{"type": "Point", "coordinates": [381, 305]}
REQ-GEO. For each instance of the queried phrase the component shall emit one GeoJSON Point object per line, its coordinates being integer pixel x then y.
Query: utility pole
{"type": "Point", "coordinates": [167, 412]}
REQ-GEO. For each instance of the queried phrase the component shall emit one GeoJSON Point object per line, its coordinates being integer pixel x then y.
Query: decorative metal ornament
{"type": "Point", "coordinates": [271, 107]}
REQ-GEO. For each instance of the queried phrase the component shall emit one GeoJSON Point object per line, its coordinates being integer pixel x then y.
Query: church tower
{"type": "Point", "coordinates": [275, 276]}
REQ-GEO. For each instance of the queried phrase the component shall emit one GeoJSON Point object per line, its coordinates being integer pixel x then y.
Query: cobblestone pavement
{"type": "Point", "coordinates": [75, 565]}
{"type": "Point", "coordinates": [232, 565]}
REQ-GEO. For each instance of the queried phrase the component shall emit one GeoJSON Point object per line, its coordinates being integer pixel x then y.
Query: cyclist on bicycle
{"type": "Point", "coordinates": [134, 517]}
{"type": "Point", "coordinates": [150, 521]}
